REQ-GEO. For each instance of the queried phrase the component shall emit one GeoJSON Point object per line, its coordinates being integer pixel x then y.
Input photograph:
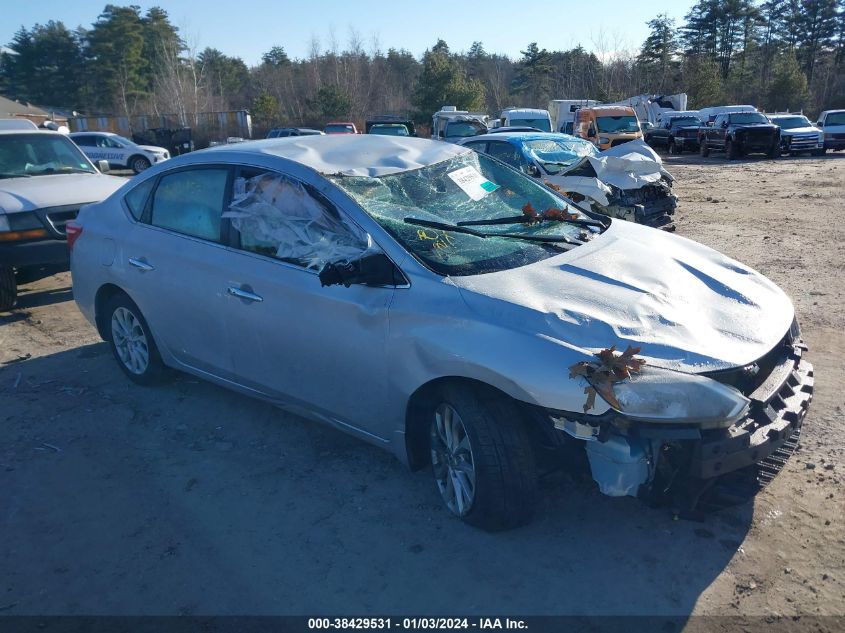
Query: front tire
{"type": "Point", "coordinates": [482, 457]}
{"type": "Point", "coordinates": [132, 342]}
{"type": "Point", "coordinates": [674, 148]}
{"type": "Point", "coordinates": [703, 149]}
{"type": "Point", "coordinates": [731, 150]}
{"type": "Point", "coordinates": [8, 288]}
{"type": "Point", "coordinates": [774, 151]}
{"type": "Point", "coordinates": [139, 164]}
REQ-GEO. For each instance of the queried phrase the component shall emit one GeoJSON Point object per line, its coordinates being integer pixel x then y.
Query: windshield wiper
{"type": "Point", "coordinates": [460, 228]}
{"type": "Point", "coordinates": [60, 170]}
{"type": "Point", "coordinates": [524, 219]}
{"type": "Point", "coordinates": [11, 175]}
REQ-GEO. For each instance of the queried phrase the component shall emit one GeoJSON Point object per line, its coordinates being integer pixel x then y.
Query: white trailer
{"type": "Point", "coordinates": [562, 112]}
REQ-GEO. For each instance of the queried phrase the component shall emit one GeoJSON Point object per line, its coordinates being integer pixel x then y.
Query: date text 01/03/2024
{"type": "Point", "coordinates": [416, 623]}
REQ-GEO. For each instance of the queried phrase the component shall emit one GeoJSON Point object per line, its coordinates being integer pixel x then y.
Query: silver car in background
{"type": "Point", "coordinates": [443, 305]}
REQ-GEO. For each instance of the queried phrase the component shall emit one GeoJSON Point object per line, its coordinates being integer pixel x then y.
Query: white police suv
{"type": "Point", "coordinates": [120, 152]}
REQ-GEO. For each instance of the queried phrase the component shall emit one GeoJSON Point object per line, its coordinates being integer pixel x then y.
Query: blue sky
{"type": "Point", "coordinates": [250, 27]}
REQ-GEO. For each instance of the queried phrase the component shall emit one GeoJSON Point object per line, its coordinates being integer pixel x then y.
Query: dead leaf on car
{"type": "Point", "coordinates": [611, 367]}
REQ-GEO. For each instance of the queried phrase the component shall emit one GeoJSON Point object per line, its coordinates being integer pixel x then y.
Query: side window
{"type": "Point", "coordinates": [280, 217]}
{"type": "Point", "coordinates": [478, 146]}
{"type": "Point", "coordinates": [136, 199]}
{"type": "Point", "coordinates": [191, 202]}
{"type": "Point", "coordinates": [83, 141]}
{"type": "Point", "coordinates": [506, 153]}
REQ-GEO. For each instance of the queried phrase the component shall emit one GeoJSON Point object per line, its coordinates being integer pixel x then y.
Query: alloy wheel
{"type": "Point", "coordinates": [452, 460]}
{"type": "Point", "coordinates": [130, 341]}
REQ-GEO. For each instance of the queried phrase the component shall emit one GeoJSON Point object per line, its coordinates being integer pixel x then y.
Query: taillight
{"type": "Point", "coordinates": [73, 231]}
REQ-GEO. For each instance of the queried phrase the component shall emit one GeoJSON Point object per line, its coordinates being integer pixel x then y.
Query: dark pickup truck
{"type": "Point", "coordinates": [740, 133]}
{"type": "Point", "coordinates": [677, 134]}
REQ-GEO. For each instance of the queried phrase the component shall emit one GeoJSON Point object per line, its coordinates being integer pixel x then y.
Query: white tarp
{"type": "Point", "coordinates": [279, 214]}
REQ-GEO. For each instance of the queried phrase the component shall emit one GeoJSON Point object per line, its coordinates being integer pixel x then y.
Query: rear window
{"type": "Point", "coordinates": [538, 124]}
{"type": "Point", "coordinates": [339, 129]}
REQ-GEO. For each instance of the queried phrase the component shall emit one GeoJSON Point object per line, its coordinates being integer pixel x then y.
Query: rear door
{"type": "Point", "coordinates": [175, 268]}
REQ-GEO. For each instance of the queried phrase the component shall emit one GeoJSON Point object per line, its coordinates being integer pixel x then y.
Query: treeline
{"type": "Point", "coordinates": [779, 54]}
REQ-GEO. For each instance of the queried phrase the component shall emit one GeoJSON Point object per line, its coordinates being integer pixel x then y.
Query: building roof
{"type": "Point", "coordinates": [9, 107]}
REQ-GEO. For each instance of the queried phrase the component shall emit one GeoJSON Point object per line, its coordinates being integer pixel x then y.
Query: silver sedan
{"type": "Point", "coordinates": [440, 304]}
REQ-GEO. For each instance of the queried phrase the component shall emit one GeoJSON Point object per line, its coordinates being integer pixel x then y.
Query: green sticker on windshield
{"type": "Point", "coordinates": [472, 183]}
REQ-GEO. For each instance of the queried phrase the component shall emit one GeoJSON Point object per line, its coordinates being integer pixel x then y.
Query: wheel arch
{"type": "Point", "coordinates": [132, 158]}
{"type": "Point", "coordinates": [416, 421]}
{"type": "Point", "coordinates": [105, 293]}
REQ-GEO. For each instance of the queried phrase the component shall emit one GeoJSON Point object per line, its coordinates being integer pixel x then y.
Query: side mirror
{"type": "Point", "coordinates": [591, 131]}
{"type": "Point", "coordinates": [371, 270]}
{"type": "Point", "coordinates": [103, 165]}
{"type": "Point", "coordinates": [724, 124]}
{"type": "Point", "coordinates": [441, 134]}
{"type": "Point", "coordinates": [819, 124]}
{"type": "Point", "coordinates": [531, 170]}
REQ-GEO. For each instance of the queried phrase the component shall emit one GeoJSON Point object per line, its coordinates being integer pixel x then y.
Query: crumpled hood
{"type": "Point", "coordinates": [39, 192]}
{"type": "Point", "coordinates": [687, 306]}
{"type": "Point", "coordinates": [628, 166]}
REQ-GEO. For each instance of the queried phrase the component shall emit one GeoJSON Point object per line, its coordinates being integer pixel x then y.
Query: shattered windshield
{"type": "Point", "coordinates": [39, 154]}
{"type": "Point", "coordinates": [465, 188]}
{"type": "Point", "coordinates": [555, 154]}
{"type": "Point", "coordinates": [616, 124]}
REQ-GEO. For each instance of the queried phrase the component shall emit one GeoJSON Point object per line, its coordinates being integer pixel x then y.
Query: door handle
{"type": "Point", "coordinates": [141, 264]}
{"type": "Point", "coordinates": [244, 294]}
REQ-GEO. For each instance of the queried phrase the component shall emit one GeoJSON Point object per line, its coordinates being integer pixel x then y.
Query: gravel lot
{"type": "Point", "coordinates": [189, 499]}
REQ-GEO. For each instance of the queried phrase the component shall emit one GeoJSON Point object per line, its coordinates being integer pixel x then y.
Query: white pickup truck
{"type": "Point", "coordinates": [44, 180]}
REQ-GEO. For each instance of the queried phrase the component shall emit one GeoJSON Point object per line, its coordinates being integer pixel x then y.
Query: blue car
{"type": "Point", "coordinates": [627, 181]}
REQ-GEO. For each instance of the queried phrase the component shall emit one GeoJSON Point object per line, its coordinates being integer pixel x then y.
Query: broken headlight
{"type": "Point", "coordinates": [661, 395]}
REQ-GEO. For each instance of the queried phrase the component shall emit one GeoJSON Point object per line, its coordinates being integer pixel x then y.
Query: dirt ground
{"type": "Point", "coordinates": [189, 499]}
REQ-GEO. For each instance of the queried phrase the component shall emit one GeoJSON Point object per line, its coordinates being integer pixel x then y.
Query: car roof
{"type": "Point", "coordinates": [31, 131]}
{"type": "Point", "coordinates": [518, 137]}
{"type": "Point", "coordinates": [358, 155]}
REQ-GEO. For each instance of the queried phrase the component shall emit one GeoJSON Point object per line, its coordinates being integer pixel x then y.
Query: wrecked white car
{"type": "Point", "coordinates": [441, 305]}
{"type": "Point", "coordinates": [627, 181]}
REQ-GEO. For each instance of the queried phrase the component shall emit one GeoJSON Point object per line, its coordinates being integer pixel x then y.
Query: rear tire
{"type": "Point", "coordinates": [819, 152]}
{"type": "Point", "coordinates": [8, 288]}
{"type": "Point", "coordinates": [703, 150]}
{"type": "Point", "coordinates": [482, 457]}
{"type": "Point", "coordinates": [132, 342]}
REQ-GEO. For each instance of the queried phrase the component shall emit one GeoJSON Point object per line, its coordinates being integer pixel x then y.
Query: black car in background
{"type": "Point", "coordinates": [740, 133]}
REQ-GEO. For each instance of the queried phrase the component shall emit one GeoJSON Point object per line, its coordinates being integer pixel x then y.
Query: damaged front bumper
{"type": "Point", "coordinates": [652, 205]}
{"type": "Point", "coordinates": [678, 464]}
